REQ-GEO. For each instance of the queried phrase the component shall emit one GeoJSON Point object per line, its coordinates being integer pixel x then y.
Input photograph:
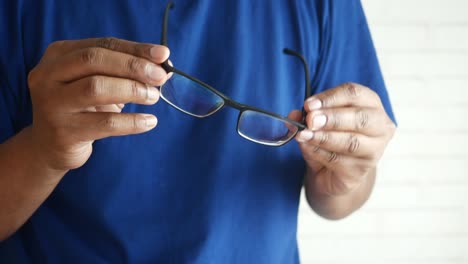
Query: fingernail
{"type": "Point", "coordinates": [314, 104]}
{"type": "Point", "coordinates": [305, 135]}
{"type": "Point", "coordinates": [319, 122]}
{"type": "Point", "coordinates": [159, 53]}
{"type": "Point", "coordinates": [151, 121]}
{"type": "Point", "coordinates": [121, 106]}
{"type": "Point", "coordinates": [154, 72]}
{"type": "Point", "coordinates": [153, 94]}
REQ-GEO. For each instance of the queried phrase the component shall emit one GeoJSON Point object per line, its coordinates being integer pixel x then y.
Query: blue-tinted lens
{"type": "Point", "coordinates": [190, 97]}
{"type": "Point", "coordinates": [265, 129]}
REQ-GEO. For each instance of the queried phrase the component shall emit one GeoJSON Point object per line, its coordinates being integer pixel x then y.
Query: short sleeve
{"type": "Point", "coordinates": [347, 52]}
{"type": "Point", "coordinates": [6, 120]}
{"type": "Point", "coordinates": [11, 71]}
{"type": "Point", "coordinates": [6, 96]}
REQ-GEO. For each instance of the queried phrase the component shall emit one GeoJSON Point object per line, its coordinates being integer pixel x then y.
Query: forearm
{"type": "Point", "coordinates": [338, 207]}
{"type": "Point", "coordinates": [25, 181]}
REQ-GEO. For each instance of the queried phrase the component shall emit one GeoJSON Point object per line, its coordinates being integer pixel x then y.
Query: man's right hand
{"type": "Point", "coordinates": [79, 89]}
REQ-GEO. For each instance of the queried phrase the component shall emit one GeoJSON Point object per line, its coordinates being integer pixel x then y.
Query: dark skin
{"type": "Point", "coordinates": [348, 130]}
{"type": "Point", "coordinates": [78, 91]}
{"type": "Point", "coordinates": [80, 87]}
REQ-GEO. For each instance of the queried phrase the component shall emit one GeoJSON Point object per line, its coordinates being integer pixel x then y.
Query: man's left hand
{"type": "Point", "coordinates": [347, 132]}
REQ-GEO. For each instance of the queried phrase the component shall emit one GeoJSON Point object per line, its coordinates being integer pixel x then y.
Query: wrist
{"type": "Point", "coordinates": [337, 206]}
{"type": "Point", "coordinates": [39, 157]}
{"type": "Point", "coordinates": [327, 183]}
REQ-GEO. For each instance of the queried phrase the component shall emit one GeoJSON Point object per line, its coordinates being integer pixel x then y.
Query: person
{"type": "Point", "coordinates": [86, 176]}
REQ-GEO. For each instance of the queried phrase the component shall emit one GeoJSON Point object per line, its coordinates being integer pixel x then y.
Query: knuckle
{"type": "Point", "coordinates": [33, 77]}
{"type": "Point", "coordinates": [335, 121]}
{"type": "Point", "coordinates": [57, 44]}
{"type": "Point", "coordinates": [108, 43]}
{"type": "Point", "coordinates": [137, 49]}
{"type": "Point", "coordinates": [362, 118]}
{"type": "Point", "coordinates": [94, 88]}
{"type": "Point", "coordinates": [329, 100]}
{"type": "Point", "coordinates": [133, 65]}
{"type": "Point", "coordinates": [362, 171]}
{"type": "Point", "coordinates": [135, 90]}
{"type": "Point", "coordinates": [347, 186]}
{"type": "Point", "coordinates": [336, 185]}
{"type": "Point", "coordinates": [333, 157]}
{"type": "Point", "coordinates": [110, 123]}
{"type": "Point", "coordinates": [137, 123]}
{"type": "Point", "coordinates": [353, 144]}
{"type": "Point", "coordinates": [315, 149]}
{"type": "Point", "coordinates": [92, 56]}
{"type": "Point", "coordinates": [352, 89]}
{"type": "Point", "coordinates": [324, 138]}
{"type": "Point", "coordinates": [340, 186]}
{"type": "Point", "coordinates": [54, 47]}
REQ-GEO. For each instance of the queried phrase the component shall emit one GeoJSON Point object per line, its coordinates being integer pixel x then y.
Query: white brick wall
{"type": "Point", "coordinates": [418, 212]}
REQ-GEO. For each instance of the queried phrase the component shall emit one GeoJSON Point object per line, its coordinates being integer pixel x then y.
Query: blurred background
{"type": "Point", "coordinates": [418, 212]}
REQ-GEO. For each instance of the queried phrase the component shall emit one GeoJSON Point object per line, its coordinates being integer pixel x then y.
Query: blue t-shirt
{"type": "Point", "coordinates": [191, 190]}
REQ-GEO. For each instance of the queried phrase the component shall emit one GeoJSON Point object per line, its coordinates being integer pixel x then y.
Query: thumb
{"type": "Point", "coordinates": [302, 136]}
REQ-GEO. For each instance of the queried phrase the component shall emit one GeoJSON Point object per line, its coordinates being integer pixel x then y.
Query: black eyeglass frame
{"type": "Point", "coordinates": [232, 103]}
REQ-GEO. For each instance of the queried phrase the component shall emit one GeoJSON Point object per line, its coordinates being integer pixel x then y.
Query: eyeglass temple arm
{"type": "Point", "coordinates": [165, 65]}
{"type": "Point", "coordinates": [169, 6]}
{"type": "Point", "coordinates": [307, 76]}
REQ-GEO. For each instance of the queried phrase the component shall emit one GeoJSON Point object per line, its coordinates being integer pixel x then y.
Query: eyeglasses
{"type": "Point", "coordinates": [196, 98]}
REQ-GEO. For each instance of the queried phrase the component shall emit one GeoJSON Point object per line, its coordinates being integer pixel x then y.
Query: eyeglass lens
{"type": "Point", "coordinates": [190, 97]}
{"type": "Point", "coordinates": [264, 128]}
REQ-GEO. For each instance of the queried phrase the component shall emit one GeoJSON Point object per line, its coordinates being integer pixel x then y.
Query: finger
{"type": "Point", "coordinates": [109, 108]}
{"type": "Point", "coordinates": [295, 115]}
{"type": "Point", "coordinates": [155, 53]}
{"type": "Point", "coordinates": [91, 126]}
{"type": "Point", "coordinates": [116, 108]}
{"type": "Point", "coordinates": [368, 121]}
{"type": "Point", "coordinates": [350, 167]}
{"type": "Point", "coordinates": [346, 143]}
{"type": "Point", "coordinates": [99, 61]}
{"type": "Point", "coordinates": [103, 90]}
{"type": "Point", "coordinates": [304, 135]}
{"type": "Point", "coordinates": [349, 94]}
